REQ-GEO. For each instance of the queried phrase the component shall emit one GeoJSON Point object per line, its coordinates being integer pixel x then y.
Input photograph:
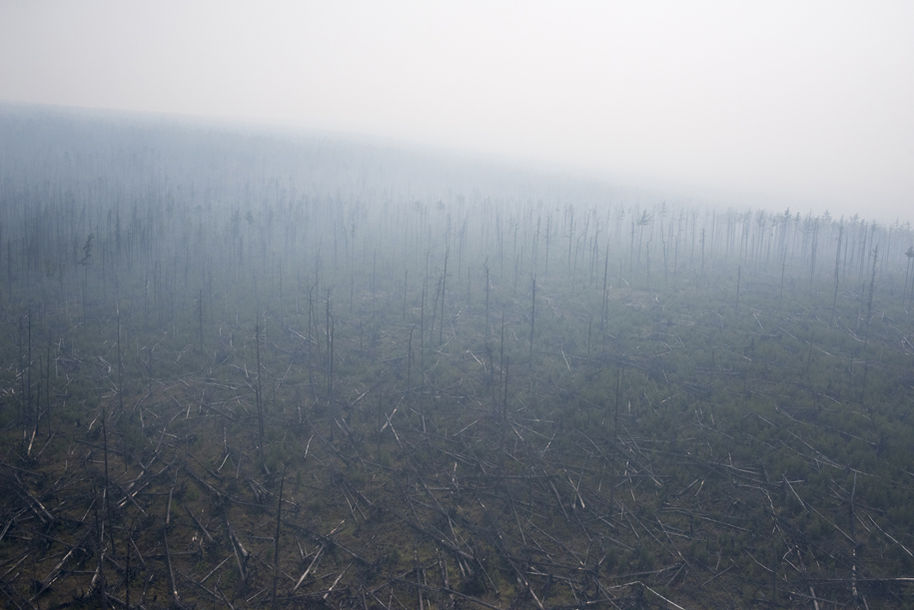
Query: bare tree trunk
{"type": "Point", "coordinates": [282, 481]}
{"type": "Point", "coordinates": [329, 337]}
{"type": "Point", "coordinates": [259, 393]}
{"type": "Point", "coordinates": [532, 318]}
{"type": "Point", "coordinates": [409, 358]}
{"type": "Point", "coordinates": [834, 303]}
{"type": "Point", "coordinates": [443, 286]}
{"type": "Point", "coordinates": [869, 320]}
{"type": "Point", "coordinates": [739, 277]}
{"type": "Point", "coordinates": [120, 364]}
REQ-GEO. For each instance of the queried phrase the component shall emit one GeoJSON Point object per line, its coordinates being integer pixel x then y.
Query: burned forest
{"type": "Point", "coordinates": [254, 369]}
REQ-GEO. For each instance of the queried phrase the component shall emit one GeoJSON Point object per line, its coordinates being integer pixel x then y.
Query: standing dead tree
{"type": "Point", "coordinates": [532, 317]}
{"type": "Point", "coordinates": [834, 303]}
{"type": "Point", "coordinates": [258, 393]}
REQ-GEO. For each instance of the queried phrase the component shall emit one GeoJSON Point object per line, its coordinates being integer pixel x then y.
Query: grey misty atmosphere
{"type": "Point", "coordinates": [456, 305]}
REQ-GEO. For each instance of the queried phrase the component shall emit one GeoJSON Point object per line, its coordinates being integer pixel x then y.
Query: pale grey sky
{"type": "Point", "coordinates": [806, 104]}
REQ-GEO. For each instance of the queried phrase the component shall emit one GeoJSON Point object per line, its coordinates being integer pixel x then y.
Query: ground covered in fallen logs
{"type": "Point", "coordinates": [202, 405]}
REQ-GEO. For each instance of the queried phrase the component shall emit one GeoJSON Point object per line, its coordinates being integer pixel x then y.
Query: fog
{"type": "Point", "coordinates": [773, 105]}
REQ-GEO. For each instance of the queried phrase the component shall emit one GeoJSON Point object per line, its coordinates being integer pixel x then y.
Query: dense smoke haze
{"type": "Point", "coordinates": [456, 305]}
{"type": "Point", "coordinates": [769, 105]}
